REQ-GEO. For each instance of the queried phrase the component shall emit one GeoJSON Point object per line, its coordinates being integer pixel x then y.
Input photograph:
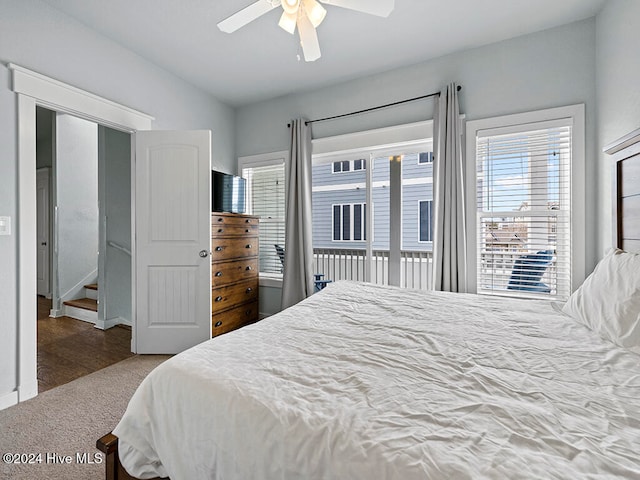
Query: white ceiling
{"type": "Point", "coordinates": [259, 61]}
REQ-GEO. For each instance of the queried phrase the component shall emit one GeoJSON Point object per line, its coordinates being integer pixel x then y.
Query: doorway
{"type": "Point", "coordinates": [83, 250]}
{"type": "Point", "coordinates": [175, 165]}
{"type": "Point", "coordinates": [33, 90]}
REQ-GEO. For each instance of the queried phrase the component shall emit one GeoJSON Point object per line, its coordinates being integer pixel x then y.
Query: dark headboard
{"type": "Point", "coordinates": [626, 191]}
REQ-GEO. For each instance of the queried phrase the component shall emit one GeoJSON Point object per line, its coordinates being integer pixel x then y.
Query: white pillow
{"type": "Point", "coordinates": [608, 302]}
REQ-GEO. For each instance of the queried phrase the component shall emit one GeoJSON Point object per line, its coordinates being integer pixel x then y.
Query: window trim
{"type": "Point", "coordinates": [576, 115]}
{"type": "Point", "coordinates": [352, 166]}
{"type": "Point", "coordinates": [363, 225]}
{"type": "Point", "coordinates": [430, 162]}
{"type": "Point", "coordinates": [426, 242]}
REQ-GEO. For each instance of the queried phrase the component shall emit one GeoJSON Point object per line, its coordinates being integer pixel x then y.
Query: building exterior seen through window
{"type": "Point", "coordinates": [341, 214]}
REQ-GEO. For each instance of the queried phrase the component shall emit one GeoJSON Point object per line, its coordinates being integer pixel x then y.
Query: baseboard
{"type": "Point", "coordinates": [27, 391]}
{"type": "Point", "coordinates": [107, 324]}
{"type": "Point", "coordinates": [125, 321]}
{"type": "Point", "coordinates": [8, 400]}
{"type": "Point", "coordinates": [81, 314]}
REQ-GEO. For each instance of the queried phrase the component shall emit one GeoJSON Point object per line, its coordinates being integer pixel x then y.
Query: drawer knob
{"type": "Point", "coordinates": [247, 221]}
{"type": "Point", "coordinates": [220, 219]}
{"type": "Point", "coordinates": [218, 249]}
{"type": "Point", "coordinates": [249, 290]}
{"type": "Point", "coordinates": [218, 274]}
{"type": "Point", "coordinates": [247, 231]}
{"type": "Point", "coordinates": [247, 246]}
{"type": "Point", "coordinates": [220, 230]}
{"type": "Point", "coordinates": [218, 323]}
{"type": "Point", "coordinates": [249, 268]}
{"type": "Point", "coordinates": [218, 299]}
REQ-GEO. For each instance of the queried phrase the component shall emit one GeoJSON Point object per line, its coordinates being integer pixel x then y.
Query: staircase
{"type": "Point", "coordinates": [85, 309]}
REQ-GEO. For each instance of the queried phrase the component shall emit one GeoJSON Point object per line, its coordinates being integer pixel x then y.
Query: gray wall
{"type": "Point", "coordinates": [116, 153]}
{"type": "Point", "coordinates": [76, 186]}
{"type": "Point", "coordinates": [618, 80]}
{"type": "Point", "coordinates": [542, 70]}
{"type": "Point", "coordinates": [39, 37]}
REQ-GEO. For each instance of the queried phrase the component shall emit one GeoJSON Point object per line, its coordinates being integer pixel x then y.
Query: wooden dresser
{"type": "Point", "coordinates": [234, 271]}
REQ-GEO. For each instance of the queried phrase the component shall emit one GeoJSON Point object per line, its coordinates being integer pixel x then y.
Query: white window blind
{"type": "Point", "coordinates": [523, 207]}
{"type": "Point", "coordinates": [266, 198]}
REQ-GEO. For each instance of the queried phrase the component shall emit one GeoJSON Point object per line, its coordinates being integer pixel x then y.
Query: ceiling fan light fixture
{"type": "Point", "coordinates": [308, 39]}
{"type": "Point", "coordinates": [288, 22]}
{"type": "Point", "coordinates": [290, 6]}
{"type": "Point", "coordinates": [303, 15]}
{"type": "Point", "coordinates": [315, 12]}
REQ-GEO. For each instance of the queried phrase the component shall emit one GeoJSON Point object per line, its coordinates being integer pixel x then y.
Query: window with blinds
{"type": "Point", "coordinates": [523, 210]}
{"type": "Point", "coordinates": [266, 198]}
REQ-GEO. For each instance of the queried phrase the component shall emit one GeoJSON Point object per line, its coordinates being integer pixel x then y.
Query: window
{"type": "Point", "coordinates": [349, 165]}
{"type": "Point", "coordinates": [266, 198]}
{"type": "Point", "coordinates": [426, 221]}
{"type": "Point", "coordinates": [360, 183]}
{"type": "Point", "coordinates": [367, 225]}
{"type": "Point", "coordinates": [425, 157]}
{"type": "Point", "coordinates": [349, 222]}
{"type": "Point", "coordinates": [524, 214]}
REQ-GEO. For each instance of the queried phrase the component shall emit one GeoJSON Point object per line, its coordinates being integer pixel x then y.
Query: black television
{"type": "Point", "coordinates": [227, 192]}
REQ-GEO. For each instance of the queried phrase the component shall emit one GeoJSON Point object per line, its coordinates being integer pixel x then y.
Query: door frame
{"type": "Point", "coordinates": [34, 89]}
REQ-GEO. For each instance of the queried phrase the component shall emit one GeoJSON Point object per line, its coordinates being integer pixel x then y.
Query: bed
{"type": "Point", "coordinates": [364, 381]}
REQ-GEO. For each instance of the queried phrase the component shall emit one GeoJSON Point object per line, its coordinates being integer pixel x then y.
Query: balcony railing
{"type": "Point", "coordinates": [349, 264]}
{"type": "Point", "coordinates": [416, 268]}
{"type": "Point", "coordinates": [495, 269]}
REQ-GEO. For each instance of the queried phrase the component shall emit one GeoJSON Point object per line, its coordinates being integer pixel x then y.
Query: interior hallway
{"type": "Point", "coordinates": [70, 348]}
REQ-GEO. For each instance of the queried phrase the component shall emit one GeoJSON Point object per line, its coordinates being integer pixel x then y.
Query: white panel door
{"type": "Point", "coordinates": [172, 225]}
{"type": "Point", "coordinates": [42, 232]}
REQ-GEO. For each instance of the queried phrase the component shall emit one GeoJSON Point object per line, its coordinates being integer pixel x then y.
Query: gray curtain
{"type": "Point", "coordinates": [298, 255]}
{"type": "Point", "coordinates": [449, 243]}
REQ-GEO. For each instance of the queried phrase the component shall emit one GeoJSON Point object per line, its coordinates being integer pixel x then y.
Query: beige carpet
{"type": "Point", "coordinates": [67, 421]}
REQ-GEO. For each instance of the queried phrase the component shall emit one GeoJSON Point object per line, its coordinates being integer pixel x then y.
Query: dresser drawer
{"type": "Point", "coordinates": [232, 220]}
{"type": "Point", "coordinates": [228, 248]}
{"type": "Point", "coordinates": [224, 297]}
{"type": "Point", "coordinates": [233, 318]}
{"type": "Point", "coordinates": [224, 273]}
{"type": "Point", "coordinates": [234, 230]}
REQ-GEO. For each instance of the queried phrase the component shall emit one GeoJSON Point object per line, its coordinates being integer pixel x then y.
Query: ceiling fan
{"type": "Point", "coordinates": [304, 14]}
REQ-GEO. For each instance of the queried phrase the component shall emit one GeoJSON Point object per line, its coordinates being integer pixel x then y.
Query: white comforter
{"type": "Point", "coordinates": [368, 382]}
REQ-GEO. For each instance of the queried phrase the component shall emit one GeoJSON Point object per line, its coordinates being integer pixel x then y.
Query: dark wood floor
{"type": "Point", "coordinates": [70, 348]}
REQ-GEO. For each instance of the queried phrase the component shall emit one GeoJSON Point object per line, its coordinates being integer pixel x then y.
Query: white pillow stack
{"type": "Point", "coordinates": [608, 302]}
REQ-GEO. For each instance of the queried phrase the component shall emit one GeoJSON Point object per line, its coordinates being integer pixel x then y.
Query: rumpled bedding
{"type": "Point", "coordinates": [361, 381]}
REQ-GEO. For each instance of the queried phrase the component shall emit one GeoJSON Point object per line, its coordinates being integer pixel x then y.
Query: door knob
{"type": "Point", "coordinates": [203, 253]}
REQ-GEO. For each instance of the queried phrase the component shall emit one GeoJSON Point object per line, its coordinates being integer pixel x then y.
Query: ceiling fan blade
{"type": "Point", "coordinates": [380, 8]}
{"type": "Point", "coordinates": [308, 39]}
{"type": "Point", "coordinates": [246, 15]}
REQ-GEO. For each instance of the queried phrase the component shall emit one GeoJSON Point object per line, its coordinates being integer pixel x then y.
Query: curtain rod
{"type": "Point", "coordinates": [375, 108]}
